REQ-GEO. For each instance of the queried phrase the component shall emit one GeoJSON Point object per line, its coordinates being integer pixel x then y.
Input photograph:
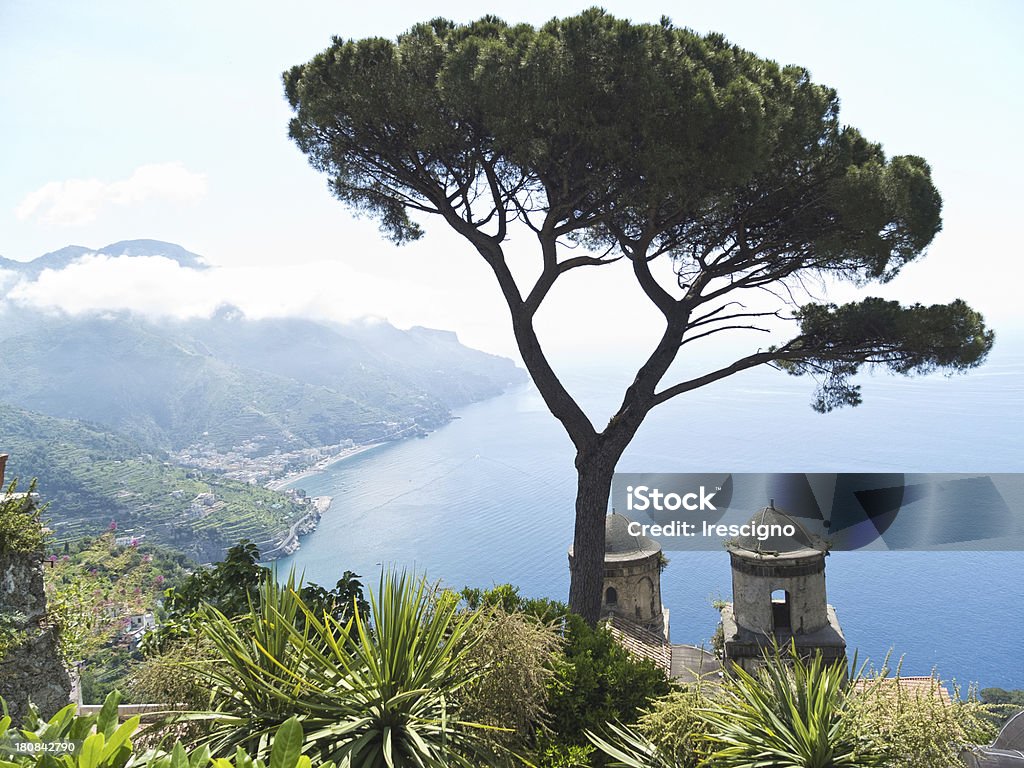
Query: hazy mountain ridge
{"type": "Point", "coordinates": [67, 255]}
{"type": "Point", "coordinates": [226, 379]}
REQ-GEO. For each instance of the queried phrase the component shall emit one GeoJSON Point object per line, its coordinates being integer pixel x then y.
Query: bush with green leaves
{"type": "Point", "coordinates": [21, 527]}
{"type": "Point", "coordinates": [597, 681]}
{"type": "Point", "coordinates": [232, 586]}
{"type": "Point", "coordinates": [101, 742]}
{"type": "Point", "coordinates": [593, 679]}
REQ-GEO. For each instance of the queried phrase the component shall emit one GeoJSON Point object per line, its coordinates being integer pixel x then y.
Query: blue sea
{"type": "Point", "coordinates": [488, 499]}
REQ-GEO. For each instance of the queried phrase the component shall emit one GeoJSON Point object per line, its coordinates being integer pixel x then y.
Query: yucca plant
{"type": "Point", "coordinates": [632, 749]}
{"type": "Point", "coordinates": [375, 691]}
{"type": "Point", "coordinates": [792, 714]}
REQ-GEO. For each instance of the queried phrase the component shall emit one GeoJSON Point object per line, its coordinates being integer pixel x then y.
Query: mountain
{"type": "Point", "coordinates": [225, 381]}
{"type": "Point", "coordinates": [57, 260]}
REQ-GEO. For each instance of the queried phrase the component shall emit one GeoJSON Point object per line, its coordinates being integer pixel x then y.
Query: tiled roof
{"type": "Point", "coordinates": [684, 663]}
{"type": "Point", "coordinates": [642, 643]}
{"type": "Point", "coordinates": [914, 686]}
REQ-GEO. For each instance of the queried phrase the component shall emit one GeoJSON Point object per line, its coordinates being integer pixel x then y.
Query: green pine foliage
{"type": "Point", "coordinates": [1004, 703]}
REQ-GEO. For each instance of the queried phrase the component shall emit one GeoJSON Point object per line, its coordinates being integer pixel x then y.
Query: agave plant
{"type": "Point", "coordinates": [792, 714]}
{"type": "Point", "coordinates": [375, 691]}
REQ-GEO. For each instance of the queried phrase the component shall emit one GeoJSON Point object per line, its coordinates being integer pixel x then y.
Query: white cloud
{"type": "Point", "coordinates": [79, 201]}
{"type": "Point", "coordinates": [158, 287]}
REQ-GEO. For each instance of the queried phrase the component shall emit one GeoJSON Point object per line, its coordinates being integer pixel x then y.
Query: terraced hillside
{"type": "Point", "coordinates": [94, 480]}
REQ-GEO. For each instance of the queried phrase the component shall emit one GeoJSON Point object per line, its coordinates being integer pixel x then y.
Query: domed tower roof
{"type": "Point", "coordinates": [800, 544]}
{"type": "Point", "coordinates": [619, 544]}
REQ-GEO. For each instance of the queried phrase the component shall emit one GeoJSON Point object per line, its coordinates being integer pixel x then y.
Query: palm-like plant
{"type": "Point", "coordinates": [375, 691]}
{"type": "Point", "coordinates": [792, 714]}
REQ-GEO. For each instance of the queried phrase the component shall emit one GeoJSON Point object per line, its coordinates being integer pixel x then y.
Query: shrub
{"type": "Point", "coordinates": [514, 652]}
{"type": "Point", "coordinates": [919, 728]}
{"type": "Point", "coordinates": [597, 681]}
{"type": "Point", "coordinates": [21, 528]}
{"type": "Point", "coordinates": [102, 743]}
{"type": "Point", "coordinates": [1004, 704]}
{"type": "Point", "coordinates": [676, 726]}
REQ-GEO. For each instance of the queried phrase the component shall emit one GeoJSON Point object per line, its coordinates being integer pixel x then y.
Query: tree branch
{"type": "Point", "coordinates": [740, 365]}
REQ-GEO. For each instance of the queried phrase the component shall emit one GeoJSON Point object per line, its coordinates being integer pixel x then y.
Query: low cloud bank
{"type": "Point", "coordinates": [158, 287]}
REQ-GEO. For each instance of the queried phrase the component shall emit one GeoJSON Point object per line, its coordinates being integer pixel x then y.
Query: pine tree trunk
{"type": "Point", "coordinates": [594, 481]}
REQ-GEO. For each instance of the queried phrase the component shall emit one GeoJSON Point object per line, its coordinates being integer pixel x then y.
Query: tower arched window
{"type": "Point", "coordinates": [611, 597]}
{"type": "Point", "coordinates": [782, 618]}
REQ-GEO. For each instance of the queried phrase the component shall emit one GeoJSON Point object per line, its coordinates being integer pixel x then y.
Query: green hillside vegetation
{"type": "Point", "coordinates": [94, 479]}
{"type": "Point", "coordinates": [94, 588]}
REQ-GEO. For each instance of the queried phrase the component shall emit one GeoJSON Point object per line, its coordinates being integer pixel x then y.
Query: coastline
{"type": "Point", "coordinates": [293, 477]}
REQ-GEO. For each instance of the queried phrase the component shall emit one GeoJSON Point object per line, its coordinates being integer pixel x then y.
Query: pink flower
{"type": "Point", "coordinates": [113, 525]}
{"type": "Point", "coordinates": [159, 580]}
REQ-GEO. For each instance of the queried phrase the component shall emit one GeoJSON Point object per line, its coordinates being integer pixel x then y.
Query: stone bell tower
{"type": "Point", "coordinates": [778, 593]}
{"type": "Point", "coordinates": [632, 577]}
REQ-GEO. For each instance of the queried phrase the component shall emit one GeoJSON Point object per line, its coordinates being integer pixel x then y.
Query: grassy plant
{"type": "Point", "coordinates": [628, 747]}
{"type": "Point", "coordinates": [793, 714]}
{"type": "Point", "coordinates": [516, 652]}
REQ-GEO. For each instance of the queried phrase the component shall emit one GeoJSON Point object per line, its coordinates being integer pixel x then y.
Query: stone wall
{"type": "Point", "coordinates": [33, 670]}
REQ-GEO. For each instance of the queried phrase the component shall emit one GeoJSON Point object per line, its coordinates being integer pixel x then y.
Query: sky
{"type": "Point", "coordinates": [166, 120]}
